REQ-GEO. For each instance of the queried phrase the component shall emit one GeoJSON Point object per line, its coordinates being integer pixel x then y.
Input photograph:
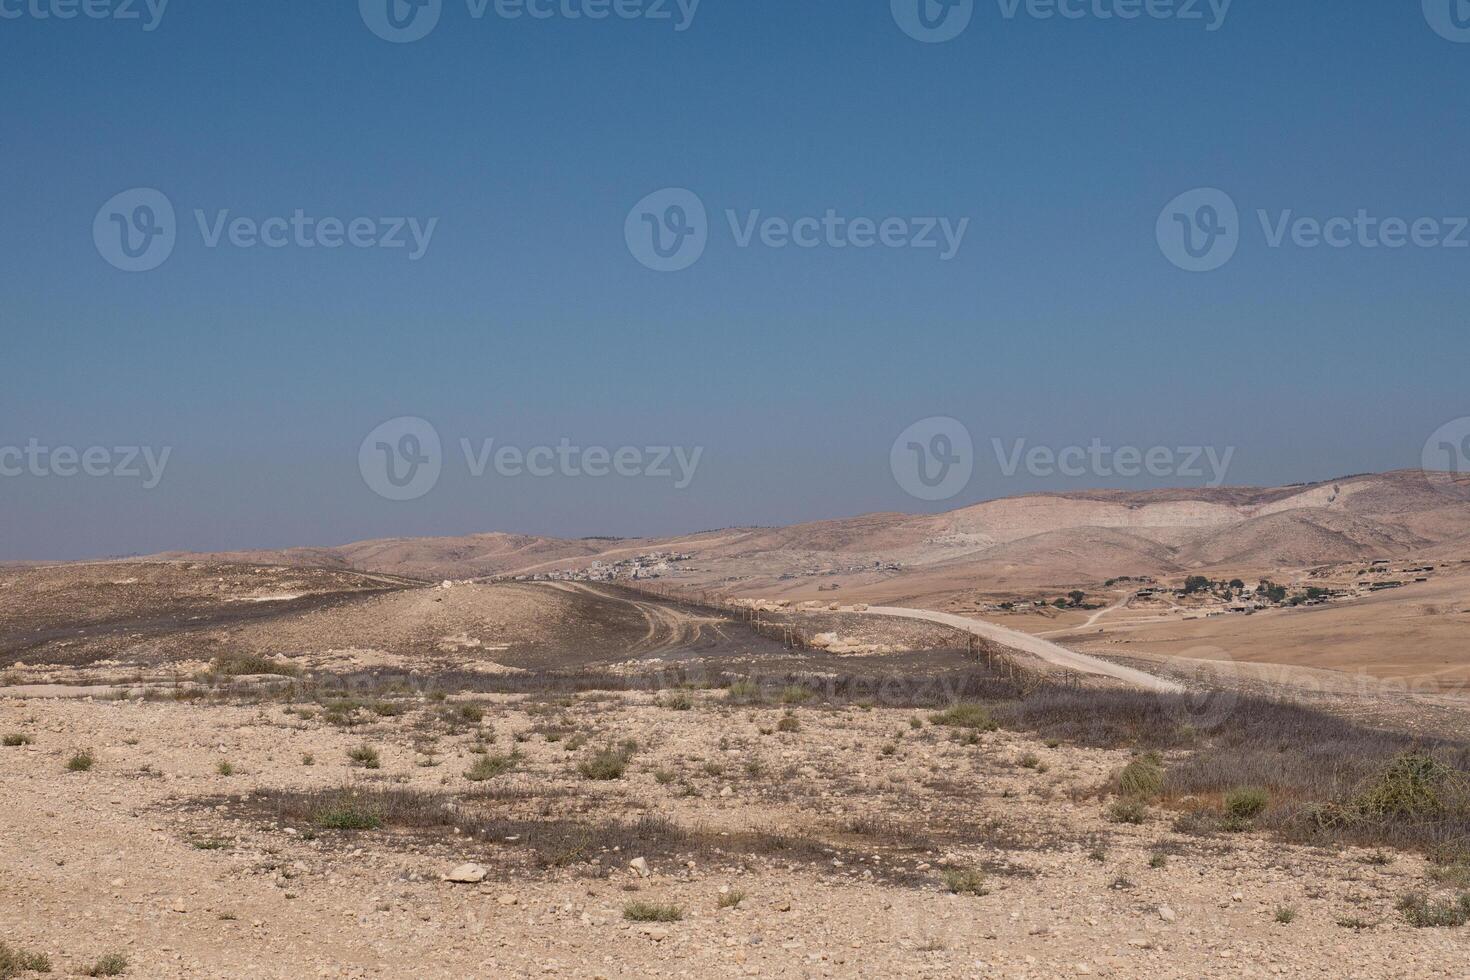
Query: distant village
{"type": "Point", "coordinates": [1207, 597]}
{"type": "Point", "coordinates": [655, 564]}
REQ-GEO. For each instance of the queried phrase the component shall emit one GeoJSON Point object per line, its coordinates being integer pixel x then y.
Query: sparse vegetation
{"type": "Point", "coordinates": [608, 763]}
{"type": "Point", "coordinates": [110, 965]}
{"type": "Point", "coordinates": [678, 701]}
{"type": "Point", "coordinates": [1422, 912]}
{"type": "Point", "coordinates": [731, 899]}
{"type": "Point", "coordinates": [16, 739]}
{"type": "Point", "coordinates": [1246, 804]}
{"type": "Point", "coordinates": [1127, 811]}
{"type": "Point", "coordinates": [246, 664]}
{"type": "Point", "coordinates": [965, 881]}
{"type": "Point", "coordinates": [640, 911]}
{"type": "Point", "coordinates": [796, 694]}
{"type": "Point", "coordinates": [1142, 778]}
{"type": "Point", "coordinates": [1286, 914]}
{"type": "Point", "coordinates": [972, 716]}
{"type": "Point", "coordinates": [490, 766]}
{"type": "Point", "coordinates": [225, 768]}
{"type": "Point", "coordinates": [81, 761]}
{"type": "Point", "coordinates": [365, 756]}
{"type": "Point", "coordinates": [788, 723]}
{"type": "Point", "coordinates": [743, 692]}
{"type": "Point", "coordinates": [345, 813]}
{"type": "Point", "coordinates": [14, 962]}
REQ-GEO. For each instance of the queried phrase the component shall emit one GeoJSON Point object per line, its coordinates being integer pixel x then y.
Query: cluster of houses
{"type": "Point", "coordinates": [655, 564]}
{"type": "Point", "coordinates": [872, 566]}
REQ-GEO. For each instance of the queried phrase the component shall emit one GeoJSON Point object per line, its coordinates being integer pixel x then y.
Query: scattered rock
{"type": "Point", "coordinates": [467, 874]}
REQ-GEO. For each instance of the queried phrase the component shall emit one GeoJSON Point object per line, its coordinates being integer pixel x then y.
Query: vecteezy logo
{"type": "Point", "coordinates": [401, 21]}
{"type": "Point", "coordinates": [668, 230]}
{"type": "Point", "coordinates": [1446, 458]}
{"type": "Point", "coordinates": [933, 459]}
{"type": "Point", "coordinates": [1209, 683]}
{"type": "Point", "coordinates": [1199, 230]}
{"type": "Point", "coordinates": [401, 459]}
{"type": "Point", "coordinates": [1449, 18]}
{"type": "Point", "coordinates": [933, 21]}
{"type": "Point", "coordinates": [136, 230]}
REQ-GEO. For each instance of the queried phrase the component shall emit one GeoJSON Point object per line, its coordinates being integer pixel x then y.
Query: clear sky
{"type": "Point", "coordinates": [1058, 320]}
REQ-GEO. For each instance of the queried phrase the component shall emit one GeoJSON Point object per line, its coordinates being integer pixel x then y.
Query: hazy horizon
{"type": "Point", "coordinates": [277, 228]}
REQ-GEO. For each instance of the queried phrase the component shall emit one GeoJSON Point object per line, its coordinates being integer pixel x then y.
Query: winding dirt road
{"type": "Point", "coordinates": [1036, 646]}
{"type": "Point", "coordinates": [669, 627]}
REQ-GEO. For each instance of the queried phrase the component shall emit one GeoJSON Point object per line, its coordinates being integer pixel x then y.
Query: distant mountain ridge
{"type": "Point", "coordinates": [1038, 539]}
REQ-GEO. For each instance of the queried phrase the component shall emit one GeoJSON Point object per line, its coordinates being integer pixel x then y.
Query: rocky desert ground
{"type": "Point", "coordinates": [214, 768]}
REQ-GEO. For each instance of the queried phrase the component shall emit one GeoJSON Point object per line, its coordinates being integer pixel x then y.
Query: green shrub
{"type": "Point", "coordinates": [1143, 778]}
{"type": "Point", "coordinates": [17, 739]}
{"type": "Point", "coordinates": [1412, 785]}
{"type": "Point", "coordinates": [796, 694]}
{"type": "Point", "coordinates": [1127, 811]}
{"type": "Point", "coordinates": [81, 761]}
{"type": "Point", "coordinates": [651, 912]}
{"type": "Point", "coordinates": [364, 755]}
{"type": "Point", "coordinates": [490, 766]}
{"type": "Point", "coordinates": [14, 962]}
{"type": "Point", "coordinates": [965, 881]}
{"type": "Point", "coordinates": [1423, 913]}
{"type": "Point", "coordinates": [974, 716]}
{"type": "Point", "coordinates": [743, 691]}
{"type": "Point", "coordinates": [608, 763]}
{"type": "Point", "coordinates": [1286, 914]}
{"type": "Point", "coordinates": [347, 815]}
{"type": "Point", "coordinates": [242, 664]}
{"type": "Point", "coordinates": [1246, 804]}
{"type": "Point", "coordinates": [225, 768]}
{"type": "Point", "coordinates": [788, 723]}
{"type": "Point", "coordinates": [111, 965]}
{"type": "Point", "coordinates": [678, 701]}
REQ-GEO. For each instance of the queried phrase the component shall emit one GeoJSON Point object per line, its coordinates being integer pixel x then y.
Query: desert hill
{"type": "Point", "coordinates": [1036, 540]}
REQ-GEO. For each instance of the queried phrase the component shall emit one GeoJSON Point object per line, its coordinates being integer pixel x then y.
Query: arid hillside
{"type": "Point", "coordinates": [1034, 541]}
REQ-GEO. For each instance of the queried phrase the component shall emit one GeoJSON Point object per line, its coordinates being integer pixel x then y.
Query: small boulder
{"type": "Point", "coordinates": [467, 874]}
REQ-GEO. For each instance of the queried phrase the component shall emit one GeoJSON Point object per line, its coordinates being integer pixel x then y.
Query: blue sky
{"type": "Point", "coordinates": [528, 321]}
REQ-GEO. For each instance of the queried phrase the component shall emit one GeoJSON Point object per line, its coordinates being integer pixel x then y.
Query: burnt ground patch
{"type": "Point", "coordinates": [516, 830]}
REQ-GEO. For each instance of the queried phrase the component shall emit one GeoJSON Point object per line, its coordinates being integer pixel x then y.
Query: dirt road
{"type": "Point", "coordinates": [669, 627]}
{"type": "Point", "coordinates": [1036, 646]}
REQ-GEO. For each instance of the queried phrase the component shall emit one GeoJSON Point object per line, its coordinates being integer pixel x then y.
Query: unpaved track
{"type": "Point", "coordinates": [669, 627]}
{"type": "Point", "coordinates": [1036, 646]}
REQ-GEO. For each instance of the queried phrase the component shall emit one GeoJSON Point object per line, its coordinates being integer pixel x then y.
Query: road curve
{"type": "Point", "coordinates": [1036, 646]}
